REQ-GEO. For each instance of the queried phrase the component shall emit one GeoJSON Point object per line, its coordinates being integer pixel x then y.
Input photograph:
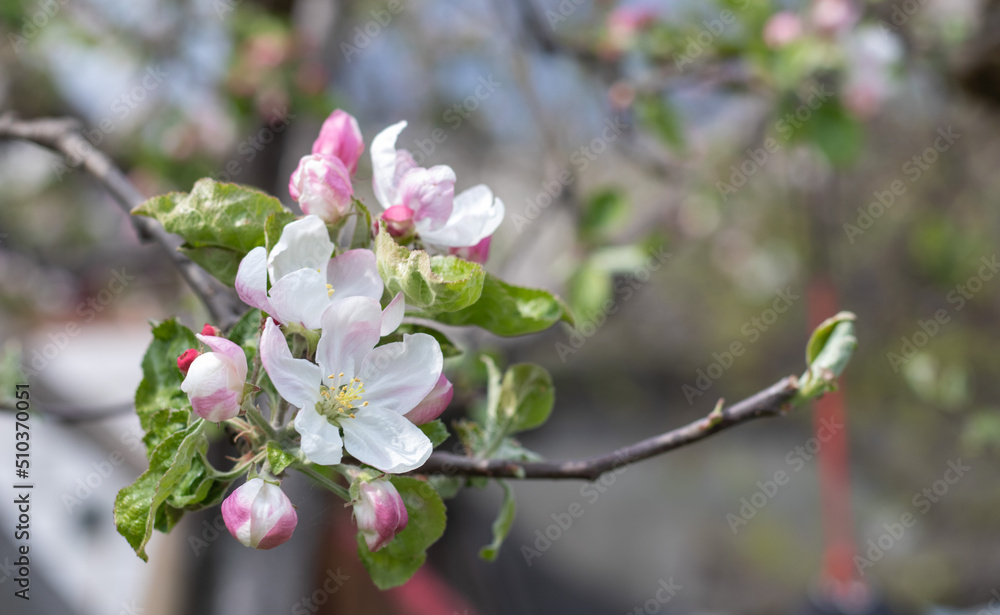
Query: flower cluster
{"type": "Point", "coordinates": [352, 392]}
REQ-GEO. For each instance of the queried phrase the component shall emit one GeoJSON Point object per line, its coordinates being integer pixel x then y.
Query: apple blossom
{"type": "Point", "coordinates": [379, 512]}
{"type": "Point", "coordinates": [304, 279]}
{"type": "Point", "coordinates": [321, 185]}
{"type": "Point", "coordinates": [259, 514]}
{"type": "Point", "coordinates": [358, 388]}
{"type": "Point", "coordinates": [214, 381]}
{"type": "Point", "coordinates": [423, 201]}
{"type": "Point", "coordinates": [434, 404]}
{"type": "Point", "coordinates": [340, 137]}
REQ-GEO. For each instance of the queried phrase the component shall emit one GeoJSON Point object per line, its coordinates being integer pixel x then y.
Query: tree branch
{"type": "Point", "coordinates": [772, 401]}
{"type": "Point", "coordinates": [63, 136]}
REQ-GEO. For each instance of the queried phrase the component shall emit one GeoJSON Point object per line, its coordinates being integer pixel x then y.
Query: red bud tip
{"type": "Point", "coordinates": [185, 360]}
{"type": "Point", "coordinates": [210, 330]}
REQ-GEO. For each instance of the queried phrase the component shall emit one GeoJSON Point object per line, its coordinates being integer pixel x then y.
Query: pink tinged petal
{"type": "Point", "coordinates": [479, 253]}
{"type": "Point", "coordinates": [476, 216]}
{"type": "Point", "coordinates": [380, 513]}
{"type": "Point", "coordinates": [322, 187]}
{"type": "Point", "coordinates": [259, 515]}
{"type": "Point", "coordinates": [398, 220]}
{"type": "Point", "coordinates": [429, 193]}
{"type": "Point", "coordinates": [320, 440]}
{"type": "Point", "coordinates": [340, 136]}
{"type": "Point", "coordinates": [384, 159]}
{"type": "Point", "coordinates": [385, 440]}
{"type": "Point", "coordinates": [398, 376]}
{"type": "Point", "coordinates": [392, 315]}
{"type": "Point", "coordinates": [304, 244]}
{"type": "Point", "coordinates": [350, 331]}
{"type": "Point", "coordinates": [297, 380]}
{"type": "Point", "coordinates": [434, 404]}
{"type": "Point", "coordinates": [214, 387]}
{"type": "Point", "coordinates": [230, 350]}
{"type": "Point", "coordinates": [251, 279]}
{"type": "Point", "coordinates": [354, 274]}
{"type": "Point", "coordinates": [300, 297]}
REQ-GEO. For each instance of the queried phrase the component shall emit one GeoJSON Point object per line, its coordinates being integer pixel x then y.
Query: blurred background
{"type": "Point", "coordinates": [693, 177]}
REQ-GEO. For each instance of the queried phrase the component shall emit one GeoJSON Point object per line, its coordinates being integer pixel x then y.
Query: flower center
{"type": "Point", "coordinates": [341, 401]}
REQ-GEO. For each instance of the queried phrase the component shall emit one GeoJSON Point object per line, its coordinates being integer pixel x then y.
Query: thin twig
{"type": "Point", "coordinates": [63, 136]}
{"type": "Point", "coordinates": [772, 401]}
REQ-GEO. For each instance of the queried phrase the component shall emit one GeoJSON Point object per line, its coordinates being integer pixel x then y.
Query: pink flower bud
{"type": "Point", "coordinates": [398, 220]}
{"type": "Point", "coordinates": [340, 137]}
{"type": "Point", "coordinates": [479, 253]}
{"type": "Point", "coordinates": [781, 29]}
{"type": "Point", "coordinates": [434, 404]}
{"type": "Point", "coordinates": [322, 186]}
{"type": "Point", "coordinates": [187, 357]}
{"type": "Point", "coordinates": [379, 513]}
{"type": "Point", "coordinates": [214, 380]}
{"type": "Point", "coordinates": [210, 330]}
{"type": "Point", "coordinates": [259, 514]}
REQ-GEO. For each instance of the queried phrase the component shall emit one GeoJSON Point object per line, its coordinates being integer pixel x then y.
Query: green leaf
{"type": "Point", "coordinates": [448, 347]}
{"type": "Point", "coordinates": [502, 524]}
{"type": "Point", "coordinates": [395, 563]}
{"type": "Point", "coordinates": [362, 237]}
{"type": "Point", "coordinates": [508, 310]}
{"type": "Point", "coordinates": [436, 431]}
{"type": "Point", "coordinates": [438, 284]}
{"type": "Point", "coordinates": [821, 334]}
{"type": "Point", "coordinates": [278, 458]}
{"type": "Point", "coordinates": [526, 398]}
{"type": "Point", "coordinates": [163, 424]}
{"type": "Point", "coordinates": [603, 212]}
{"type": "Point", "coordinates": [161, 379]}
{"type": "Point", "coordinates": [589, 288]}
{"type": "Point", "coordinates": [138, 505]}
{"type": "Point", "coordinates": [833, 130]}
{"type": "Point", "coordinates": [219, 222]}
{"type": "Point", "coordinates": [659, 116]}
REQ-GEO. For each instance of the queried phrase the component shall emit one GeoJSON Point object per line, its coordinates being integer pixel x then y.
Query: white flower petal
{"type": "Point", "coordinates": [233, 353]}
{"type": "Point", "coordinates": [475, 216]}
{"type": "Point", "coordinates": [321, 441]}
{"type": "Point", "coordinates": [304, 244]}
{"type": "Point", "coordinates": [385, 440]}
{"type": "Point", "coordinates": [300, 297]}
{"type": "Point", "coordinates": [392, 315]}
{"type": "Point", "coordinates": [354, 274]}
{"type": "Point", "coordinates": [398, 376]}
{"type": "Point", "coordinates": [251, 279]}
{"type": "Point", "coordinates": [384, 164]}
{"type": "Point", "coordinates": [350, 331]}
{"type": "Point", "coordinates": [297, 380]}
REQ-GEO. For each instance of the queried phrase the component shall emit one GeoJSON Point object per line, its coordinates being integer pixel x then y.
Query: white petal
{"type": "Point", "coordinates": [300, 297]}
{"type": "Point", "coordinates": [233, 353]}
{"type": "Point", "coordinates": [354, 274]}
{"type": "Point", "coordinates": [321, 441]}
{"type": "Point", "coordinates": [251, 279]}
{"type": "Point", "coordinates": [350, 331]}
{"type": "Point", "coordinates": [304, 244]}
{"type": "Point", "coordinates": [384, 164]}
{"type": "Point", "coordinates": [385, 440]}
{"type": "Point", "coordinates": [297, 380]}
{"type": "Point", "coordinates": [392, 315]}
{"type": "Point", "coordinates": [475, 216]}
{"type": "Point", "coordinates": [399, 376]}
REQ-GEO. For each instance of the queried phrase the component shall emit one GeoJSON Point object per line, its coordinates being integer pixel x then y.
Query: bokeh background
{"type": "Point", "coordinates": [688, 175]}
